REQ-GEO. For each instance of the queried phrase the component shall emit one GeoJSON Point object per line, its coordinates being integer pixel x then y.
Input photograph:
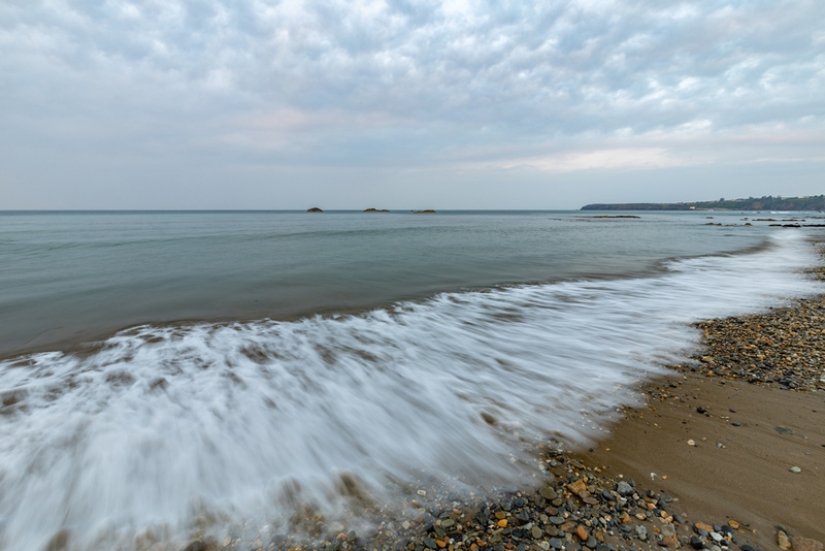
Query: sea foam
{"type": "Point", "coordinates": [157, 422]}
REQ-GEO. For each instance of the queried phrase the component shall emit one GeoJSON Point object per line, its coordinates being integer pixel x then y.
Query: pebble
{"type": "Point", "coordinates": [782, 540]}
{"type": "Point", "coordinates": [624, 489]}
{"type": "Point", "coordinates": [795, 469]}
{"type": "Point", "coordinates": [755, 347]}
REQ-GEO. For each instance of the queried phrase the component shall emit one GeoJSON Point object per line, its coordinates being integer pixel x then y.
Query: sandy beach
{"type": "Point", "coordinates": [738, 467]}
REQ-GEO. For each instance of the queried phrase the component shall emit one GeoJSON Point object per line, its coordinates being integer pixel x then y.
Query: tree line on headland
{"type": "Point", "coordinates": [768, 202]}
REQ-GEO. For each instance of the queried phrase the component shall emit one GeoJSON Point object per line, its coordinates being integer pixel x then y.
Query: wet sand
{"type": "Point", "coordinates": [740, 433]}
{"type": "Point", "coordinates": [738, 472]}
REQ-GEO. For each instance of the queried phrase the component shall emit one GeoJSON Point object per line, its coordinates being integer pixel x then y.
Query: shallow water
{"type": "Point", "coordinates": [156, 421]}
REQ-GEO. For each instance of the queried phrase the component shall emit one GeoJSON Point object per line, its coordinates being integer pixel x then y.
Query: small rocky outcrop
{"type": "Point", "coordinates": [375, 210]}
{"type": "Point", "coordinates": [427, 211]}
{"type": "Point", "coordinates": [314, 209]}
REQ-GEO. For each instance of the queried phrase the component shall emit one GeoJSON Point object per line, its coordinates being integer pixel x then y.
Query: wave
{"type": "Point", "coordinates": [156, 422]}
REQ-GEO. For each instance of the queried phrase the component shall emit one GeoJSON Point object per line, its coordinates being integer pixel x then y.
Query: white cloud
{"type": "Point", "coordinates": [417, 84]}
{"type": "Point", "coordinates": [621, 158]}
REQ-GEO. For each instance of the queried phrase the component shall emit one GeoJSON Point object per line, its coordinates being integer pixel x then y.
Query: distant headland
{"type": "Point", "coordinates": [812, 203]}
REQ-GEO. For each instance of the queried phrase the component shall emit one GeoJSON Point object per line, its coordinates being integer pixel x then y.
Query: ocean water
{"type": "Point", "coordinates": [158, 365]}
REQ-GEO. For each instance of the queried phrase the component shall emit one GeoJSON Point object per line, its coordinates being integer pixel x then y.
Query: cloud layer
{"type": "Point", "coordinates": [461, 84]}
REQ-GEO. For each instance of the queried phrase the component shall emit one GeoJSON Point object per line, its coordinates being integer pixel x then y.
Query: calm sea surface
{"type": "Point", "coordinates": [68, 276]}
{"type": "Point", "coordinates": [159, 364]}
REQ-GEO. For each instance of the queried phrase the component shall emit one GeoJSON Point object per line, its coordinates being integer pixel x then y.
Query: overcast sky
{"type": "Point", "coordinates": [407, 104]}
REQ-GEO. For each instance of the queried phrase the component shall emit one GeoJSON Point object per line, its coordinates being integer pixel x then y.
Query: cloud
{"type": "Point", "coordinates": [380, 82]}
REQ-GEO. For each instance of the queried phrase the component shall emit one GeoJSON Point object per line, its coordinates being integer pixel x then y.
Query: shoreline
{"type": "Point", "coordinates": [738, 433]}
{"type": "Point", "coordinates": [728, 453]}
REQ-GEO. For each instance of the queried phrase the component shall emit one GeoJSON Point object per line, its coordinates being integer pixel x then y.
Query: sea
{"type": "Point", "coordinates": [162, 368]}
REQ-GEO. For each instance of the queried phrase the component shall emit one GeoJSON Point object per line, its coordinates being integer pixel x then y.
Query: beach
{"type": "Point", "coordinates": [728, 452]}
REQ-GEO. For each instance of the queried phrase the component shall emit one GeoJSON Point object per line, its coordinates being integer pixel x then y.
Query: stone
{"type": "Point", "coordinates": [641, 531]}
{"type": "Point", "coordinates": [536, 532]}
{"type": "Point", "coordinates": [582, 532]}
{"type": "Point", "coordinates": [59, 541]}
{"type": "Point", "coordinates": [447, 522]}
{"type": "Point", "coordinates": [806, 544]}
{"type": "Point", "coordinates": [624, 489]}
{"type": "Point", "coordinates": [795, 469]}
{"type": "Point", "coordinates": [556, 543]}
{"type": "Point", "coordinates": [691, 442]}
{"type": "Point", "coordinates": [697, 543]}
{"type": "Point", "coordinates": [568, 526]}
{"type": "Point", "coordinates": [548, 492]}
{"type": "Point", "coordinates": [782, 540]}
{"type": "Point", "coordinates": [578, 488]}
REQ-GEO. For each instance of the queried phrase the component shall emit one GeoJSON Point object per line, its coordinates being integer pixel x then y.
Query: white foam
{"type": "Point", "coordinates": [161, 418]}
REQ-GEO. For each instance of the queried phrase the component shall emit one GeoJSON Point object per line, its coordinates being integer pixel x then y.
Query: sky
{"type": "Point", "coordinates": [267, 104]}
